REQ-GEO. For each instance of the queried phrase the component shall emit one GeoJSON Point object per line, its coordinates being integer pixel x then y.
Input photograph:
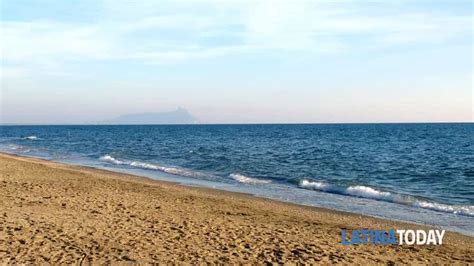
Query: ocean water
{"type": "Point", "coordinates": [421, 173]}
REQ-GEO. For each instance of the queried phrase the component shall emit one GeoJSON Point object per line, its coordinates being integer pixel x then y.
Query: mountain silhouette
{"type": "Point", "coordinates": [178, 116]}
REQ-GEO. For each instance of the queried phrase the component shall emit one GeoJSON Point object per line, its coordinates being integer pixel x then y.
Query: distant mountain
{"type": "Point", "coordinates": [178, 116]}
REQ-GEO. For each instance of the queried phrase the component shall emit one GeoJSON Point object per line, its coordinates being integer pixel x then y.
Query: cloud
{"type": "Point", "coordinates": [25, 41]}
{"type": "Point", "coordinates": [13, 72]}
{"type": "Point", "coordinates": [179, 31]}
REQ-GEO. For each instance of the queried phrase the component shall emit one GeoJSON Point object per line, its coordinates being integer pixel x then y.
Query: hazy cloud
{"type": "Point", "coordinates": [170, 31]}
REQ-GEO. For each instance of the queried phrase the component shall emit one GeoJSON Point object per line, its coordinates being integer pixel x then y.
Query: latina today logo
{"type": "Point", "coordinates": [392, 237]}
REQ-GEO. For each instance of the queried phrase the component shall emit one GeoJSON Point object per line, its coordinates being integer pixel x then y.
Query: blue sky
{"type": "Point", "coordinates": [237, 61]}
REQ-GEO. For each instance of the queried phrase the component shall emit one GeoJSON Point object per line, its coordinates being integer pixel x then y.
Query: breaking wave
{"type": "Point", "coordinates": [15, 148]}
{"type": "Point", "coordinates": [371, 193]}
{"type": "Point", "coordinates": [461, 210]}
{"type": "Point", "coordinates": [359, 191]}
{"type": "Point", "coordinates": [248, 180]}
{"type": "Point", "coordinates": [315, 185]}
{"type": "Point", "coordinates": [165, 169]}
{"type": "Point", "coordinates": [32, 138]}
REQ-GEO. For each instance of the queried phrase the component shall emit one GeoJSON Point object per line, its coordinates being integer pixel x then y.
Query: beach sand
{"type": "Point", "coordinates": [55, 213]}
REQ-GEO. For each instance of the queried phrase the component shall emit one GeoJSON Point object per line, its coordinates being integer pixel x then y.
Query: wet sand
{"type": "Point", "coordinates": [55, 213]}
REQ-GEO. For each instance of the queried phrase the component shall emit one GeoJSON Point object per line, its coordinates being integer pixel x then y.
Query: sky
{"type": "Point", "coordinates": [229, 61]}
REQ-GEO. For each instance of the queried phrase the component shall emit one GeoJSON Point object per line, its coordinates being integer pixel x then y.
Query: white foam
{"type": "Point", "coordinates": [314, 185]}
{"type": "Point", "coordinates": [248, 180]}
{"type": "Point", "coordinates": [32, 138]}
{"type": "Point", "coordinates": [144, 165]}
{"type": "Point", "coordinates": [356, 191]}
{"type": "Point", "coordinates": [368, 192]}
{"type": "Point", "coordinates": [149, 166]}
{"type": "Point", "coordinates": [14, 147]}
{"type": "Point", "coordinates": [110, 159]}
{"type": "Point", "coordinates": [18, 148]}
{"type": "Point", "coordinates": [460, 209]}
{"type": "Point", "coordinates": [371, 193]}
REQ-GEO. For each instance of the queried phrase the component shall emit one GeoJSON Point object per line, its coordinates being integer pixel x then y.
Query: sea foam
{"type": "Point", "coordinates": [459, 209]}
{"type": "Point", "coordinates": [368, 192]}
{"type": "Point", "coordinates": [248, 180]}
{"type": "Point", "coordinates": [110, 159]}
{"type": "Point", "coordinates": [32, 138]}
{"type": "Point", "coordinates": [372, 193]}
{"type": "Point", "coordinates": [18, 148]}
{"type": "Point", "coordinates": [150, 166]}
{"type": "Point", "coordinates": [315, 185]}
{"type": "Point", "coordinates": [355, 191]}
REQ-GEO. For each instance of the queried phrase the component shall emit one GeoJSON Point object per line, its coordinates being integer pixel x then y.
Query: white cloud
{"type": "Point", "coordinates": [170, 31]}
{"type": "Point", "coordinates": [25, 41]}
{"type": "Point", "coordinates": [13, 72]}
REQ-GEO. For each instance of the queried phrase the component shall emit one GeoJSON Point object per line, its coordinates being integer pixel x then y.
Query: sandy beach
{"type": "Point", "coordinates": [55, 213]}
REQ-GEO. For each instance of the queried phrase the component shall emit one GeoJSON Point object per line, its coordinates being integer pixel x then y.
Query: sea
{"type": "Point", "coordinates": [420, 173]}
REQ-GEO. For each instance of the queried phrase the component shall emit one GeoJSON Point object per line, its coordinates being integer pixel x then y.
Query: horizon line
{"type": "Point", "coordinates": [252, 123]}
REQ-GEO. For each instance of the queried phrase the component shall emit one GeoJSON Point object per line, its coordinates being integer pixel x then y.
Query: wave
{"type": "Point", "coordinates": [371, 193]}
{"type": "Point", "coordinates": [15, 148]}
{"type": "Point", "coordinates": [459, 209]}
{"type": "Point", "coordinates": [149, 166]}
{"type": "Point", "coordinates": [320, 186]}
{"type": "Point", "coordinates": [359, 191]}
{"type": "Point", "coordinates": [248, 180]}
{"type": "Point", "coordinates": [355, 191]}
{"type": "Point", "coordinates": [180, 171]}
{"type": "Point", "coordinates": [110, 159]}
{"type": "Point", "coordinates": [32, 138]}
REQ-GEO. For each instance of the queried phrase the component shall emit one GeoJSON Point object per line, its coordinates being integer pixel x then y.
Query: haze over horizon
{"type": "Point", "coordinates": [237, 61]}
{"type": "Point", "coordinates": [181, 116]}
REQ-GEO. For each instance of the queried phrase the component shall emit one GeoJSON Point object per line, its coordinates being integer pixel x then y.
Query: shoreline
{"type": "Point", "coordinates": [255, 192]}
{"type": "Point", "coordinates": [137, 177]}
{"type": "Point", "coordinates": [91, 207]}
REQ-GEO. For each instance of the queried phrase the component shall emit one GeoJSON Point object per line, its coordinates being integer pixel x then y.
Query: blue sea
{"type": "Point", "coordinates": [422, 173]}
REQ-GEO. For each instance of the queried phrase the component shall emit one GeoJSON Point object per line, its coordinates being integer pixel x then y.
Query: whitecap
{"type": "Point", "coordinates": [315, 185]}
{"type": "Point", "coordinates": [456, 209]}
{"type": "Point", "coordinates": [372, 193]}
{"type": "Point", "coordinates": [32, 138]}
{"type": "Point", "coordinates": [150, 166]}
{"type": "Point", "coordinates": [110, 159]}
{"type": "Point", "coordinates": [248, 180]}
{"type": "Point", "coordinates": [369, 193]}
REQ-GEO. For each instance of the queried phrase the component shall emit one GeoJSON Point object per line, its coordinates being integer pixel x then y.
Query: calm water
{"type": "Point", "coordinates": [416, 172]}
